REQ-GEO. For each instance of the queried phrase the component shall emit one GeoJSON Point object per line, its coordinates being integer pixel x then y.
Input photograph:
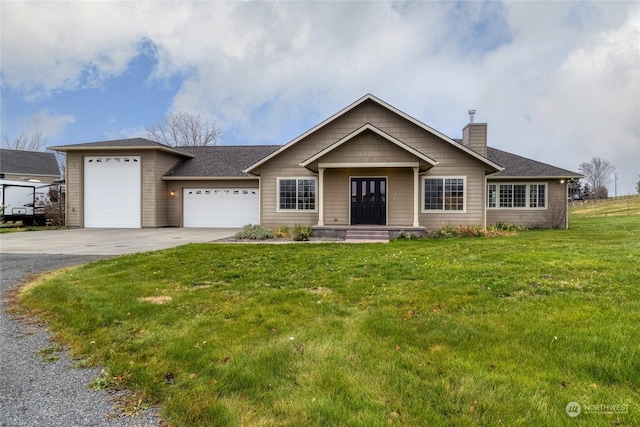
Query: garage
{"type": "Point", "coordinates": [112, 192]}
{"type": "Point", "coordinates": [220, 207]}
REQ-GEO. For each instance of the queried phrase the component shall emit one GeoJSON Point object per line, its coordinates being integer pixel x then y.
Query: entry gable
{"type": "Point", "coordinates": [352, 108]}
{"type": "Point", "coordinates": [396, 154]}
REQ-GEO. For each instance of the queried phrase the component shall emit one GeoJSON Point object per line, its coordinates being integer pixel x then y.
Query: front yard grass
{"type": "Point", "coordinates": [491, 331]}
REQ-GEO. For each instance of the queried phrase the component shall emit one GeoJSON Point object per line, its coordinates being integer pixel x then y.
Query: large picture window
{"type": "Point", "coordinates": [296, 194]}
{"type": "Point", "coordinates": [444, 194]}
{"type": "Point", "coordinates": [516, 196]}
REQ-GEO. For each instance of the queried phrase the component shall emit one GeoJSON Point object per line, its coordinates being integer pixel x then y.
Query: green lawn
{"type": "Point", "coordinates": [492, 331]}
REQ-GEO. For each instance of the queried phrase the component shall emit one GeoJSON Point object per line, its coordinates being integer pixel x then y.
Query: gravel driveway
{"type": "Point", "coordinates": [34, 392]}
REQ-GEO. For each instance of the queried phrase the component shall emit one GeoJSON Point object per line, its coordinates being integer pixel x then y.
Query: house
{"type": "Point", "coordinates": [368, 165]}
{"type": "Point", "coordinates": [34, 166]}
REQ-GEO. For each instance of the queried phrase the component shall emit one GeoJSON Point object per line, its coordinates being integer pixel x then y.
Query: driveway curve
{"type": "Point", "coordinates": [42, 389]}
{"type": "Point", "coordinates": [107, 241]}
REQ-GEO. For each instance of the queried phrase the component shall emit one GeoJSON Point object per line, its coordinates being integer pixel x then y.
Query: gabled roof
{"type": "Point", "coordinates": [129, 144]}
{"type": "Point", "coordinates": [521, 167]}
{"type": "Point", "coordinates": [28, 163]}
{"type": "Point", "coordinates": [218, 161]}
{"type": "Point", "coordinates": [369, 97]}
{"type": "Point", "coordinates": [364, 128]}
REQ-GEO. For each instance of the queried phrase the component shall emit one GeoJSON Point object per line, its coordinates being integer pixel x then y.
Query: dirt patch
{"type": "Point", "coordinates": [319, 290]}
{"type": "Point", "coordinates": [162, 299]}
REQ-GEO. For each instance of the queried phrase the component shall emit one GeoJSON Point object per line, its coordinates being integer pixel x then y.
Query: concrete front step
{"type": "Point", "coordinates": [367, 235]}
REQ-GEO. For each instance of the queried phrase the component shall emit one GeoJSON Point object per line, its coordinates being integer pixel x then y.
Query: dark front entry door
{"type": "Point", "coordinates": [369, 201]}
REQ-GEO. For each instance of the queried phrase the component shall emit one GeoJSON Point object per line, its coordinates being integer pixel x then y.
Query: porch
{"type": "Point", "coordinates": [340, 231]}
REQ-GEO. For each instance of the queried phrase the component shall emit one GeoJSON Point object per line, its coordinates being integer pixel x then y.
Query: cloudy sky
{"type": "Point", "coordinates": [556, 81]}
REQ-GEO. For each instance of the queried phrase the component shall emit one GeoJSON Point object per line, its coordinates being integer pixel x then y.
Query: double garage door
{"type": "Point", "coordinates": [113, 198]}
{"type": "Point", "coordinates": [220, 207]}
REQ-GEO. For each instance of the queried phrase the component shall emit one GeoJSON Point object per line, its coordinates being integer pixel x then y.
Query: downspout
{"type": "Point", "coordinates": [566, 203]}
{"type": "Point", "coordinates": [416, 196]}
{"type": "Point", "coordinates": [321, 197]}
{"type": "Point", "coordinates": [260, 199]}
{"type": "Point", "coordinates": [484, 204]}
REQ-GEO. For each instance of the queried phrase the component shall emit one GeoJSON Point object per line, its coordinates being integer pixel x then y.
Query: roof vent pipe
{"type": "Point", "coordinates": [472, 114]}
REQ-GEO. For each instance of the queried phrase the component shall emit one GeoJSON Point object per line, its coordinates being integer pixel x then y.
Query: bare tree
{"type": "Point", "coordinates": [598, 174]}
{"type": "Point", "coordinates": [25, 141]}
{"type": "Point", "coordinates": [184, 130]}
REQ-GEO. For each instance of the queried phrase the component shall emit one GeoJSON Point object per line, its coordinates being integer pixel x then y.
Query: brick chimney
{"type": "Point", "coordinates": [474, 135]}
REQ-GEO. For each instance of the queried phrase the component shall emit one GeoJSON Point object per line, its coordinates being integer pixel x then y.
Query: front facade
{"type": "Point", "coordinates": [369, 165]}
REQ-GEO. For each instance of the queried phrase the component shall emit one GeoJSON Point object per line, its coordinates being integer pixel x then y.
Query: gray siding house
{"type": "Point", "coordinates": [368, 165]}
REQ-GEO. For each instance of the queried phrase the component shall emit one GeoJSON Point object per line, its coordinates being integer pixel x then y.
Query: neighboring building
{"type": "Point", "coordinates": [370, 164]}
{"type": "Point", "coordinates": [35, 166]}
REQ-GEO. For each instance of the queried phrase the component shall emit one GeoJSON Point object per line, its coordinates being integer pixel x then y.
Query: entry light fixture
{"type": "Point", "coordinates": [173, 193]}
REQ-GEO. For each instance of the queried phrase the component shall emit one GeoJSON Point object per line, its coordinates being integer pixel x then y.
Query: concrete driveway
{"type": "Point", "coordinates": [97, 241]}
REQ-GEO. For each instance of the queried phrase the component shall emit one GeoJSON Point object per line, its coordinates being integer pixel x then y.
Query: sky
{"type": "Point", "coordinates": [558, 82]}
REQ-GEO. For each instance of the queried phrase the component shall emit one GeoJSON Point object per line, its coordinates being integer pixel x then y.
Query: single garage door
{"type": "Point", "coordinates": [220, 207]}
{"type": "Point", "coordinates": [112, 191]}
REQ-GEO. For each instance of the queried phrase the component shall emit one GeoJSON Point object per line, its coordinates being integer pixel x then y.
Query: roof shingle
{"type": "Point", "coordinates": [129, 142]}
{"type": "Point", "coordinates": [28, 163]}
{"type": "Point", "coordinates": [518, 166]}
{"type": "Point", "coordinates": [220, 160]}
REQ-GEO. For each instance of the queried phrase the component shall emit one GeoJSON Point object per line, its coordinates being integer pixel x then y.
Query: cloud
{"type": "Point", "coordinates": [50, 125]}
{"type": "Point", "coordinates": [54, 46]}
{"type": "Point", "coordinates": [556, 81]}
{"type": "Point", "coordinates": [41, 122]}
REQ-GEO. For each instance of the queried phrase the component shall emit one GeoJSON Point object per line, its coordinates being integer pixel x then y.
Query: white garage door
{"type": "Point", "coordinates": [220, 207]}
{"type": "Point", "coordinates": [112, 191]}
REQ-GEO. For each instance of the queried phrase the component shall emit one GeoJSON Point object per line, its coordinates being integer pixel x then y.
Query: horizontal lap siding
{"type": "Point", "coordinates": [474, 192]}
{"type": "Point", "coordinates": [74, 184]}
{"type": "Point", "coordinates": [336, 196]}
{"type": "Point", "coordinates": [164, 162]}
{"type": "Point", "coordinates": [452, 162]}
{"type": "Point", "coordinates": [400, 197]}
{"type": "Point", "coordinates": [337, 193]}
{"type": "Point", "coordinates": [554, 216]}
{"type": "Point", "coordinates": [149, 184]}
{"type": "Point", "coordinates": [175, 211]}
{"type": "Point", "coordinates": [269, 216]}
{"type": "Point", "coordinates": [368, 147]}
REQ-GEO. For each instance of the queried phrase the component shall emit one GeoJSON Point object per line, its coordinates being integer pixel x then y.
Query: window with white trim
{"type": "Point", "coordinates": [444, 194]}
{"type": "Point", "coordinates": [509, 195]}
{"type": "Point", "coordinates": [537, 195]}
{"type": "Point", "coordinates": [297, 194]}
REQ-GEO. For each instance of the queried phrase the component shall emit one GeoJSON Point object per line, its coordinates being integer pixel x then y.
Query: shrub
{"type": "Point", "coordinates": [53, 206]}
{"type": "Point", "coordinates": [301, 232]}
{"type": "Point", "coordinates": [447, 231]}
{"type": "Point", "coordinates": [403, 235]}
{"type": "Point", "coordinates": [283, 232]}
{"type": "Point", "coordinates": [254, 232]}
{"type": "Point", "coordinates": [506, 226]}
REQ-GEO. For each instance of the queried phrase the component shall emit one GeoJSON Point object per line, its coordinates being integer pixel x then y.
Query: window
{"type": "Point", "coordinates": [296, 194]}
{"type": "Point", "coordinates": [491, 196]}
{"type": "Point", "coordinates": [537, 196]}
{"type": "Point", "coordinates": [519, 196]}
{"type": "Point", "coordinates": [444, 194]}
{"type": "Point", "coordinates": [516, 196]}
